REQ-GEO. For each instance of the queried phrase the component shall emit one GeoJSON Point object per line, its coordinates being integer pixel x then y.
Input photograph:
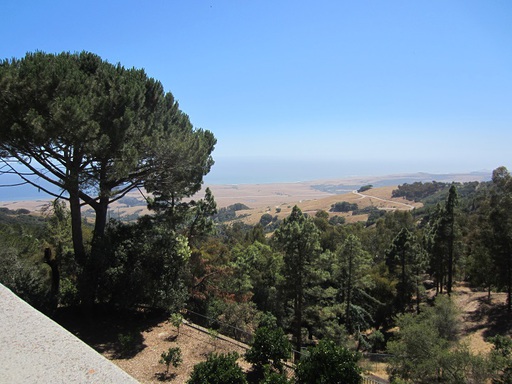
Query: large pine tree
{"type": "Point", "coordinates": [87, 131]}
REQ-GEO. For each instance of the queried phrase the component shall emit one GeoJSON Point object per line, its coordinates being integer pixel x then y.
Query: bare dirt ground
{"type": "Point", "coordinates": [194, 345]}
{"type": "Point", "coordinates": [481, 318]}
{"type": "Point", "coordinates": [153, 334]}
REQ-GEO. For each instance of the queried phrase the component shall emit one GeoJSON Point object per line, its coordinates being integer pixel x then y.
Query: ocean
{"type": "Point", "coordinates": [263, 171]}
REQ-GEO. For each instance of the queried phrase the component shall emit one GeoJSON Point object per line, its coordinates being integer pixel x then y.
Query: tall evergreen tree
{"type": "Point", "coordinates": [353, 269]}
{"type": "Point", "coordinates": [501, 220]}
{"type": "Point", "coordinates": [299, 239]}
{"type": "Point", "coordinates": [449, 218]}
{"type": "Point", "coordinates": [441, 242]}
{"type": "Point", "coordinates": [406, 260]}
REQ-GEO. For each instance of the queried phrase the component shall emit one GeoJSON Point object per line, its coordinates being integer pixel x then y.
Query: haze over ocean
{"type": "Point", "coordinates": [268, 170]}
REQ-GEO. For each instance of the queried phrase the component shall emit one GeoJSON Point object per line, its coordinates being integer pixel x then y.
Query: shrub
{"type": "Point", "coordinates": [172, 356]}
{"type": "Point", "coordinates": [218, 369]}
{"type": "Point", "coordinates": [176, 319]}
{"type": "Point", "coordinates": [328, 363]}
{"type": "Point", "coordinates": [343, 206]}
{"type": "Point", "coordinates": [128, 343]}
{"type": "Point", "coordinates": [365, 188]}
{"type": "Point", "coordinates": [270, 347]}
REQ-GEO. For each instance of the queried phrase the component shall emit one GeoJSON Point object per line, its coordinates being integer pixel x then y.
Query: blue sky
{"type": "Point", "coordinates": [303, 88]}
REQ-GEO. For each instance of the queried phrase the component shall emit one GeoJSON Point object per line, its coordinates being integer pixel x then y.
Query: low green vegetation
{"type": "Point", "coordinates": [171, 357]}
{"type": "Point", "coordinates": [218, 369]}
{"type": "Point", "coordinates": [365, 188]}
{"type": "Point", "coordinates": [343, 206]}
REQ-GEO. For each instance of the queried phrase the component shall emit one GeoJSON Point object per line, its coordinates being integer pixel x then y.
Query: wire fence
{"type": "Point", "coordinates": [242, 339]}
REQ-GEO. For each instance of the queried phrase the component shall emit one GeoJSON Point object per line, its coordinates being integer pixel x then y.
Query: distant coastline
{"type": "Point", "coordinates": [339, 184]}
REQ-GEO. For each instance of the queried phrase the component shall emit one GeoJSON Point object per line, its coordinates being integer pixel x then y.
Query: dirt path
{"type": "Point", "coordinates": [363, 196]}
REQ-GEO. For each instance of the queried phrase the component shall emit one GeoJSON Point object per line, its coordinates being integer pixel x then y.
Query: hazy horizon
{"type": "Point", "coordinates": [268, 171]}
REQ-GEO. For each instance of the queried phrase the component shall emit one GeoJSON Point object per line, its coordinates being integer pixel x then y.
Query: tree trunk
{"type": "Point", "coordinates": [76, 229]}
{"type": "Point", "coordinates": [93, 267]}
{"type": "Point", "coordinates": [349, 292]}
{"type": "Point", "coordinates": [509, 284]}
{"type": "Point", "coordinates": [54, 266]}
{"type": "Point", "coordinates": [450, 259]}
{"type": "Point", "coordinates": [298, 317]}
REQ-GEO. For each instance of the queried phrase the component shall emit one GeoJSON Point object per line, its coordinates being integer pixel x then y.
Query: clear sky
{"type": "Point", "coordinates": [307, 88]}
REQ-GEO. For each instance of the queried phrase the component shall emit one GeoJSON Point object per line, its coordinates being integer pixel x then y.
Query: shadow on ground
{"type": "Point", "coordinates": [493, 319]}
{"type": "Point", "coordinates": [112, 331]}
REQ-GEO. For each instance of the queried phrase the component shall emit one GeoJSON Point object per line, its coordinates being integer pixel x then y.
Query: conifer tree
{"type": "Point", "coordinates": [299, 239]}
{"type": "Point", "coordinates": [82, 129]}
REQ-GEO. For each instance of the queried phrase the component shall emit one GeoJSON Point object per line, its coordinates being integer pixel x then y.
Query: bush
{"type": "Point", "coordinates": [172, 356]}
{"type": "Point", "coordinates": [328, 363]}
{"type": "Point", "coordinates": [337, 220]}
{"type": "Point", "coordinates": [365, 188]}
{"type": "Point", "coordinates": [343, 206]}
{"type": "Point", "coordinates": [270, 347]}
{"type": "Point", "coordinates": [266, 219]}
{"type": "Point", "coordinates": [128, 344]}
{"type": "Point", "coordinates": [68, 293]}
{"type": "Point", "coordinates": [218, 369]}
{"type": "Point", "coordinates": [176, 319]}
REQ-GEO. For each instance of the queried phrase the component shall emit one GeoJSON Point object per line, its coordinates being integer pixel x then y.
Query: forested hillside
{"type": "Point", "coordinates": [319, 280]}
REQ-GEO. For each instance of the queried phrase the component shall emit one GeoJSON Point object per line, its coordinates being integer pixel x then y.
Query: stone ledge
{"type": "Point", "coordinates": [35, 349]}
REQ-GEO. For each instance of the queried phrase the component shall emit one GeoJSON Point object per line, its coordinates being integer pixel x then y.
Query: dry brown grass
{"type": "Point", "coordinates": [377, 197]}
{"type": "Point", "coordinates": [264, 198]}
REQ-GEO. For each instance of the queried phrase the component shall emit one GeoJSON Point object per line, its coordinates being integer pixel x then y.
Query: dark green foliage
{"type": "Point", "coordinates": [129, 344]}
{"type": "Point", "coordinates": [407, 261]}
{"type": "Point", "coordinates": [21, 259]}
{"type": "Point", "coordinates": [96, 131]}
{"type": "Point", "coordinates": [417, 191]}
{"type": "Point", "coordinates": [229, 213]}
{"type": "Point", "coordinates": [374, 214]}
{"type": "Point", "coordinates": [501, 221]}
{"type": "Point", "coordinates": [337, 220]}
{"type": "Point", "coordinates": [171, 357]}
{"type": "Point", "coordinates": [298, 237]}
{"type": "Point", "coordinates": [270, 347]}
{"type": "Point", "coordinates": [272, 377]}
{"type": "Point", "coordinates": [501, 359]}
{"type": "Point", "coordinates": [25, 278]}
{"type": "Point", "coordinates": [262, 266]}
{"type": "Point", "coordinates": [327, 363]}
{"type": "Point", "coordinates": [425, 350]}
{"type": "Point", "coordinates": [343, 206]}
{"type": "Point", "coordinates": [352, 270]}
{"type": "Point", "coordinates": [266, 219]}
{"type": "Point", "coordinates": [146, 264]}
{"type": "Point", "coordinates": [218, 369]}
{"type": "Point", "coordinates": [365, 188]}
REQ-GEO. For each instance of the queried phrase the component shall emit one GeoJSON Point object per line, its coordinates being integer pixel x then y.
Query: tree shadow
{"type": "Point", "coordinates": [254, 375]}
{"type": "Point", "coordinates": [113, 331]}
{"type": "Point", "coordinates": [163, 376]}
{"type": "Point", "coordinates": [171, 338]}
{"type": "Point", "coordinates": [498, 321]}
{"type": "Point", "coordinates": [492, 318]}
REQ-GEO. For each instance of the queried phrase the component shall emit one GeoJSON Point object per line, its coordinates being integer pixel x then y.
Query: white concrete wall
{"type": "Point", "coordinates": [35, 349]}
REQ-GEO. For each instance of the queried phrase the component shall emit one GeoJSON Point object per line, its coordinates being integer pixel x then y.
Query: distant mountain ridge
{"type": "Point", "coordinates": [350, 184]}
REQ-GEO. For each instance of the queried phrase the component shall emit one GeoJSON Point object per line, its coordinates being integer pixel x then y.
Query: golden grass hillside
{"type": "Point", "coordinates": [377, 197]}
